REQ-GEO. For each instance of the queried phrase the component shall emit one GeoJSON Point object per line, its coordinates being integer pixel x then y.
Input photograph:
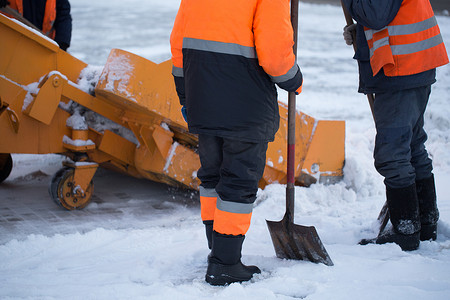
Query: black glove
{"type": "Point", "coordinates": [3, 3]}
{"type": "Point", "coordinates": [62, 45]}
{"type": "Point", "coordinates": [348, 33]}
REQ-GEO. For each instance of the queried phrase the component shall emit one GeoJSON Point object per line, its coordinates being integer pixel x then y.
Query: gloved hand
{"type": "Point", "coordinates": [62, 45]}
{"type": "Point", "coordinates": [348, 33]}
{"type": "Point", "coordinates": [184, 113]}
{"type": "Point", "coordinates": [3, 3]}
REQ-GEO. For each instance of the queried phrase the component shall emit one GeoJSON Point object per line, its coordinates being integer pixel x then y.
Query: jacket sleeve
{"type": "Point", "coordinates": [274, 41]}
{"type": "Point", "coordinates": [373, 14]}
{"type": "Point", "coordinates": [176, 46]}
{"type": "Point", "coordinates": [63, 24]}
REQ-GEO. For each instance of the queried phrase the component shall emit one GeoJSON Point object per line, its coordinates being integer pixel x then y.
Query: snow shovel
{"type": "Point", "coordinates": [383, 216]}
{"type": "Point", "coordinates": [293, 241]}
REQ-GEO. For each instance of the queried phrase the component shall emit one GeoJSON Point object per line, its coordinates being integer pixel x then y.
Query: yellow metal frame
{"type": "Point", "coordinates": [84, 172]}
{"type": "Point", "coordinates": [141, 99]}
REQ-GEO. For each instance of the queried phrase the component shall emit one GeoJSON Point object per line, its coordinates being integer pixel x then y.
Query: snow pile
{"type": "Point", "coordinates": [78, 143]}
{"type": "Point", "coordinates": [84, 118]}
{"type": "Point", "coordinates": [89, 78]}
{"type": "Point", "coordinates": [76, 121]}
{"type": "Point", "coordinates": [32, 90]}
{"type": "Point", "coordinates": [100, 124]}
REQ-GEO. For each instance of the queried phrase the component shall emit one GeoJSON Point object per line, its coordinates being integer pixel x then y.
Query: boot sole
{"type": "Point", "coordinates": [218, 274]}
{"type": "Point", "coordinates": [406, 243]}
{"type": "Point", "coordinates": [223, 280]}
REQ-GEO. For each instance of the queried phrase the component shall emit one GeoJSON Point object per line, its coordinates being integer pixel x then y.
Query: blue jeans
{"type": "Point", "coordinates": [400, 154]}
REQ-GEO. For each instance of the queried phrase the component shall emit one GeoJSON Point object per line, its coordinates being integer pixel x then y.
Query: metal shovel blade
{"type": "Point", "coordinates": [383, 218]}
{"type": "Point", "coordinates": [293, 241]}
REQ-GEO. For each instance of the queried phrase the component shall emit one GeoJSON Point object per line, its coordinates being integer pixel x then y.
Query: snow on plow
{"type": "Point", "coordinates": [125, 117]}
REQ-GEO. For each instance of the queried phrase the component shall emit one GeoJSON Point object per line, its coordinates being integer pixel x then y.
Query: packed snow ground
{"type": "Point", "coordinates": [165, 257]}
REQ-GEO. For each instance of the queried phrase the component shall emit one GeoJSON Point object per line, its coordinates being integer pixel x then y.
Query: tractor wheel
{"type": "Point", "coordinates": [65, 194]}
{"type": "Point", "coordinates": [6, 165]}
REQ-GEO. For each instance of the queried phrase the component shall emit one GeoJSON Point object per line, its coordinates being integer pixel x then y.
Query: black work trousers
{"type": "Point", "coordinates": [400, 154]}
{"type": "Point", "coordinates": [232, 167]}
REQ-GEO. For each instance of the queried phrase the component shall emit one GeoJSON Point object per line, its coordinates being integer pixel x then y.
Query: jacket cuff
{"type": "Point", "coordinates": [294, 84]}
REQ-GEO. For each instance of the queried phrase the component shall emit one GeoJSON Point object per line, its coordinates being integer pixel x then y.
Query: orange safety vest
{"type": "Point", "coordinates": [49, 16]}
{"type": "Point", "coordinates": [410, 44]}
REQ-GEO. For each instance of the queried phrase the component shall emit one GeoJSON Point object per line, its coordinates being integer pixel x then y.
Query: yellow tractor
{"type": "Point", "coordinates": [128, 120]}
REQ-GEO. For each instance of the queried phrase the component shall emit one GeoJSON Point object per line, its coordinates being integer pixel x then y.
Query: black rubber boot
{"type": "Point", "coordinates": [224, 262]}
{"type": "Point", "coordinates": [404, 214]}
{"type": "Point", "coordinates": [408, 242]}
{"type": "Point", "coordinates": [209, 230]}
{"type": "Point", "coordinates": [429, 213]}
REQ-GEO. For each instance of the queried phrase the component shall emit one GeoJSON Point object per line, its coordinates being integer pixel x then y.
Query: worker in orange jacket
{"type": "Point", "coordinates": [52, 17]}
{"type": "Point", "coordinates": [227, 57]}
{"type": "Point", "coordinates": [399, 47]}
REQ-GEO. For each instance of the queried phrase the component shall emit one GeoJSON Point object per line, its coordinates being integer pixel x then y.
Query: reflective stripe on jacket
{"type": "Point", "coordinates": [49, 16]}
{"type": "Point", "coordinates": [227, 55]}
{"type": "Point", "coordinates": [410, 44]}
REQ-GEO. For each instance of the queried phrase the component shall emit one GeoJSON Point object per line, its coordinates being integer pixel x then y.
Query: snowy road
{"type": "Point", "coordinates": [119, 202]}
{"type": "Point", "coordinates": [142, 240]}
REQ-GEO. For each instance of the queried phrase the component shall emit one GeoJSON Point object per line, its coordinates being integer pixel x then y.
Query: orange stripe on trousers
{"type": "Point", "coordinates": [231, 223]}
{"type": "Point", "coordinates": [207, 207]}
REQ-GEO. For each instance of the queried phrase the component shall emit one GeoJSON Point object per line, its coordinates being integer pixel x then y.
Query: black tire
{"type": "Point", "coordinates": [6, 165]}
{"type": "Point", "coordinates": [60, 185]}
{"type": "Point", "coordinates": [53, 186]}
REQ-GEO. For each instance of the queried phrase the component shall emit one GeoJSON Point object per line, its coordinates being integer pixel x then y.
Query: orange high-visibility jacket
{"type": "Point", "coordinates": [227, 56]}
{"type": "Point", "coordinates": [49, 17]}
{"type": "Point", "coordinates": [410, 44]}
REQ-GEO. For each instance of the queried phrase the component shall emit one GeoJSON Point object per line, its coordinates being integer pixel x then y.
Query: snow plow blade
{"type": "Point", "coordinates": [130, 122]}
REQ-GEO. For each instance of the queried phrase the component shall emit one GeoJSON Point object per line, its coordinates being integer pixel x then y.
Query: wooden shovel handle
{"type": "Point", "coordinates": [290, 188]}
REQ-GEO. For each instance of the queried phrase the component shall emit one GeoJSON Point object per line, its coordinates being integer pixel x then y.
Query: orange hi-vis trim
{"type": "Point", "coordinates": [207, 207]}
{"type": "Point", "coordinates": [231, 223]}
{"type": "Point", "coordinates": [208, 200]}
{"type": "Point", "coordinates": [49, 19]}
{"type": "Point", "coordinates": [232, 217]}
{"type": "Point", "coordinates": [229, 48]}
{"type": "Point", "coordinates": [410, 44]}
{"type": "Point", "coordinates": [17, 5]}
